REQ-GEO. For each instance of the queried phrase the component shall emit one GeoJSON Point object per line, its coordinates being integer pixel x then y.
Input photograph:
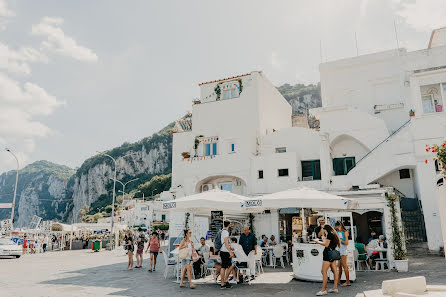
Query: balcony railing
{"type": "Point", "coordinates": [200, 158]}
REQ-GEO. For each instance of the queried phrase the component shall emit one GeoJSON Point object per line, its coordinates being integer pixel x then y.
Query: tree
{"type": "Point", "coordinates": [108, 209]}
{"type": "Point", "coordinates": [156, 185]}
{"type": "Point", "coordinates": [83, 212]}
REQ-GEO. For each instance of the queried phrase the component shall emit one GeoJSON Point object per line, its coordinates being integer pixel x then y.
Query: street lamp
{"type": "Point", "coordinates": [153, 191]}
{"type": "Point", "coordinates": [124, 184]}
{"type": "Point", "coordinates": [15, 189]}
{"type": "Point", "coordinates": [114, 194]}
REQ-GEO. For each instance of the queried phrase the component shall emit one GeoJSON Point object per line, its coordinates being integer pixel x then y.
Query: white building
{"type": "Point", "coordinates": [143, 213]}
{"type": "Point", "coordinates": [241, 137]}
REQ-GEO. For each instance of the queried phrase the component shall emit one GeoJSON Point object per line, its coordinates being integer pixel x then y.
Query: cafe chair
{"type": "Point", "coordinates": [360, 263]}
{"type": "Point", "coordinates": [169, 262]}
{"type": "Point", "coordinates": [278, 254]}
{"type": "Point", "coordinates": [259, 260]}
{"type": "Point", "coordinates": [204, 266]}
{"type": "Point", "coordinates": [380, 264]}
{"type": "Point", "coordinates": [246, 272]}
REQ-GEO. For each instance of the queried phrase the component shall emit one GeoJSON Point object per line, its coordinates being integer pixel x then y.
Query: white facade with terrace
{"type": "Point", "coordinates": [379, 112]}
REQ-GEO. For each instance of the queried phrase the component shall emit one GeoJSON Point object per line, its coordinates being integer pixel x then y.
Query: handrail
{"type": "Point", "coordinates": [385, 140]}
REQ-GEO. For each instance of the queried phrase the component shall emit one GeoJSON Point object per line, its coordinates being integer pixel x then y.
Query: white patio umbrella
{"type": "Point", "coordinates": [208, 201]}
{"type": "Point", "coordinates": [302, 198]}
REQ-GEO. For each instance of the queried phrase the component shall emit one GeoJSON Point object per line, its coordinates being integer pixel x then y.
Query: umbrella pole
{"type": "Point", "coordinates": [304, 225]}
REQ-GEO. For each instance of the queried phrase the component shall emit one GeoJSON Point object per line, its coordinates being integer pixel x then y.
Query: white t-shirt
{"type": "Point", "coordinates": [224, 234]}
{"type": "Point", "coordinates": [239, 252]}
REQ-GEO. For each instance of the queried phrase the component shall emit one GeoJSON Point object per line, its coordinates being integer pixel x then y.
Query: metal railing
{"type": "Point", "coordinates": [382, 142]}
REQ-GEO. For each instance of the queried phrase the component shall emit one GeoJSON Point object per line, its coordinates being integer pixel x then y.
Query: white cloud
{"type": "Point", "coordinates": [56, 40]}
{"type": "Point", "coordinates": [19, 107]}
{"type": "Point", "coordinates": [423, 15]}
{"type": "Point", "coordinates": [5, 13]}
{"type": "Point", "coordinates": [18, 61]}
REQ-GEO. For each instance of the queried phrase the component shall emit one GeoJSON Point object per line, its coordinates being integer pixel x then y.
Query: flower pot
{"type": "Point", "coordinates": [402, 265]}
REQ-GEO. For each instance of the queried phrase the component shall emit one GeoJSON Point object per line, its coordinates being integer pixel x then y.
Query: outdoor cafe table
{"type": "Point", "coordinates": [269, 250]}
{"type": "Point", "coordinates": [381, 251]}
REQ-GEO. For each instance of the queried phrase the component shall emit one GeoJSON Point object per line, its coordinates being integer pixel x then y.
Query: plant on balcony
{"type": "Point", "coordinates": [398, 240]}
{"type": "Point", "coordinates": [185, 155]}
{"type": "Point", "coordinates": [196, 101]}
{"type": "Point", "coordinates": [217, 91]}
{"type": "Point", "coordinates": [240, 89]}
{"type": "Point", "coordinates": [440, 155]}
{"type": "Point", "coordinates": [196, 144]}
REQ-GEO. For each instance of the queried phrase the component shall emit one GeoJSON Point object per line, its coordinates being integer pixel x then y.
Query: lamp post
{"type": "Point", "coordinates": [15, 189]}
{"type": "Point", "coordinates": [153, 191]}
{"type": "Point", "coordinates": [114, 194]}
{"type": "Point", "coordinates": [124, 184]}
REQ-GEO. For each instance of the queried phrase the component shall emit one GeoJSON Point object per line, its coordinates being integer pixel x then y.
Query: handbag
{"type": "Point", "coordinates": [334, 255]}
{"type": "Point", "coordinates": [184, 253]}
{"type": "Point", "coordinates": [195, 256]}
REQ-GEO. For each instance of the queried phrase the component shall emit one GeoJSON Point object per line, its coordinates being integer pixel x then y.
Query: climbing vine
{"type": "Point", "coordinates": [398, 241]}
{"type": "Point", "coordinates": [440, 155]}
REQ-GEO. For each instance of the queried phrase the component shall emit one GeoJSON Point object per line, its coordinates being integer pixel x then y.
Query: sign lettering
{"type": "Point", "coordinates": [169, 205]}
{"type": "Point", "coordinates": [253, 203]}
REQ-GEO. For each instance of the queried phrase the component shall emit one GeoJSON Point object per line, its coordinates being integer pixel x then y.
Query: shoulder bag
{"type": "Point", "coordinates": [334, 255]}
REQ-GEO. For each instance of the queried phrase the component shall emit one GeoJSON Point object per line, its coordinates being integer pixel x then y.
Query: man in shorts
{"type": "Point", "coordinates": [140, 248]}
{"type": "Point", "coordinates": [225, 254]}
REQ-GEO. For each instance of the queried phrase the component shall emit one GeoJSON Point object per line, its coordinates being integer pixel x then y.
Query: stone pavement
{"type": "Point", "coordinates": [84, 273]}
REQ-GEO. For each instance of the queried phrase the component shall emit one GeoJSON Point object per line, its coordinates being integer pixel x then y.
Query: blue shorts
{"type": "Point", "coordinates": [155, 253]}
{"type": "Point", "coordinates": [185, 261]}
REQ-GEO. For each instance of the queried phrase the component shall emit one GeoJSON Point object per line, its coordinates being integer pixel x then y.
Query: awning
{"type": "Point", "coordinates": [301, 198]}
{"type": "Point", "coordinates": [208, 201]}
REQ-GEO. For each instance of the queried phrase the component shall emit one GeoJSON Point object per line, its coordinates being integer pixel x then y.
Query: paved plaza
{"type": "Point", "coordinates": [85, 273]}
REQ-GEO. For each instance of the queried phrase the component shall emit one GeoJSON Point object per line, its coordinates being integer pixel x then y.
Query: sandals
{"type": "Point", "coordinates": [182, 286]}
{"type": "Point", "coordinates": [333, 291]}
{"type": "Point", "coordinates": [321, 293]}
{"type": "Point", "coordinates": [192, 286]}
{"type": "Point", "coordinates": [345, 285]}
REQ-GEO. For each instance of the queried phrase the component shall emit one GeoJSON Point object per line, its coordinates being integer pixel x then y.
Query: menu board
{"type": "Point", "coordinates": [216, 222]}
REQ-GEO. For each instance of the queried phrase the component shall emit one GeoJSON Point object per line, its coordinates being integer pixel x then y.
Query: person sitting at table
{"type": "Point", "coordinates": [319, 230]}
{"type": "Point", "coordinates": [204, 248]}
{"type": "Point", "coordinates": [272, 241]}
{"type": "Point", "coordinates": [362, 252]}
{"type": "Point", "coordinates": [264, 242]}
{"type": "Point", "coordinates": [372, 234]}
{"type": "Point", "coordinates": [382, 241]}
{"type": "Point", "coordinates": [372, 246]}
{"type": "Point", "coordinates": [213, 262]}
{"type": "Point", "coordinates": [242, 258]}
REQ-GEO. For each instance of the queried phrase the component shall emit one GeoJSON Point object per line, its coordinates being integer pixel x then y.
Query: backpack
{"type": "Point", "coordinates": [217, 241]}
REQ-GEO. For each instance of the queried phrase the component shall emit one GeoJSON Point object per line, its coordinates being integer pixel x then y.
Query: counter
{"type": "Point", "coordinates": [307, 262]}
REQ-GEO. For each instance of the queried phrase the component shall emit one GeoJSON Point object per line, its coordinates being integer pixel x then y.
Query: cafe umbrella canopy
{"type": "Point", "coordinates": [208, 201]}
{"type": "Point", "coordinates": [300, 197]}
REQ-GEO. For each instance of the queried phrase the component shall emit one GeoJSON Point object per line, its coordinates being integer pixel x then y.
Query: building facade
{"type": "Point", "coordinates": [378, 113]}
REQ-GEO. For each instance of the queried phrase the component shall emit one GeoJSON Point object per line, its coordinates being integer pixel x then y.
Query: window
{"type": "Point", "coordinates": [232, 147]}
{"type": "Point", "coordinates": [226, 187]}
{"type": "Point", "coordinates": [404, 173]}
{"type": "Point", "coordinates": [432, 97]}
{"type": "Point", "coordinates": [230, 90]}
{"type": "Point", "coordinates": [260, 174]}
{"type": "Point", "coordinates": [210, 149]}
{"type": "Point", "coordinates": [342, 166]}
{"type": "Point", "coordinates": [283, 172]}
{"type": "Point", "coordinates": [281, 150]}
{"type": "Point", "coordinates": [163, 218]}
{"type": "Point", "coordinates": [311, 170]}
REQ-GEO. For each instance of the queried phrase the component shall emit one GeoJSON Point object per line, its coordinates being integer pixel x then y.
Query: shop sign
{"type": "Point", "coordinates": [169, 205]}
{"type": "Point", "coordinates": [315, 252]}
{"type": "Point", "coordinates": [253, 203]}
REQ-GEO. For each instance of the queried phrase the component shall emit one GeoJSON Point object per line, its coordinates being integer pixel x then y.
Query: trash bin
{"type": "Point", "coordinates": [96, 245]}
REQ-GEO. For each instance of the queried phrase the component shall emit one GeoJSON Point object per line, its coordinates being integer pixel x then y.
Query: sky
{"type": "Point", "coordinates": [82, 76]}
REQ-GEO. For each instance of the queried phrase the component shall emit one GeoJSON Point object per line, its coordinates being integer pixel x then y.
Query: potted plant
{"type": "Point", "coordinates": [196, 101]}
{"type": "Point", "coordinates": [411, 113]}
{"type": "Point", "coordinates": [196, 144]}
{"type": "Point", "coordinates": [397, 240]}
{"type": "Point", "coordinates": [185, 155]}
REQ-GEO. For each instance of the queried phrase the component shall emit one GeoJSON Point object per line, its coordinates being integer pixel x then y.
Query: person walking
{"type": "Point", "coordinates": [45, 243]}
{"type": "Point", "coordinates": [343, 236]}
{"type": "Point", "coordinates": [248, 241]}
{"type": "Point", "coordinates": [330, 241]}
{"type": "Point", "coordinates": [225, 254]}
{"type": "Point", "coordinates": [186, 243]}
{"type": "Point", "coordinates": [129, 244]}
{"type": "Point", "coordinates": [140, 248]}
{"type": "Point", "coordinates": [154, 248]}
{"type": "Point", "coordinates": [25, 245]}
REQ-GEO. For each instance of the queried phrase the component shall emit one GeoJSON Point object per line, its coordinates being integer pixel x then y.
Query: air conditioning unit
{"type": "Point", "coordinates": [307, 178]}
{"type": "Point", "coordinates": [206, 187]}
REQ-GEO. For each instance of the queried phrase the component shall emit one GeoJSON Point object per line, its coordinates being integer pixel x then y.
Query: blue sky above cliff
{"type": "Point", "coordinates": [81, 76]}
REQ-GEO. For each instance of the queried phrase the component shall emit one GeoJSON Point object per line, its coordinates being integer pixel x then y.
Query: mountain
{"type": "Point", "coordinates": [42, 191]}
{"type": "Point", "coordinates": [57, 192]}
{"type": "Point", "coordinates": [302, 97]}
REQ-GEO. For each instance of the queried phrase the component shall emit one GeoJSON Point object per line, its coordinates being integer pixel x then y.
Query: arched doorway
{"type": "Point", "coordinates": [229, 183]}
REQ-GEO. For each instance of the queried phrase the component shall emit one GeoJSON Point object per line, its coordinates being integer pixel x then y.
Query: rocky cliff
{"type": "Point", "coordinates": [42, 191]}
